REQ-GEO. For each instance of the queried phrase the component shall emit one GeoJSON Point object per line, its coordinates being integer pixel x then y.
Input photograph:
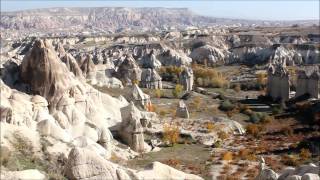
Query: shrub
{"type": "Point", "coordinates": [287, 131]}
{"type": "Point", "coordinates": [304, 154]}
{"type": "Point", "coordinates": [256, 117]}
{"type": "Point", "coordinates": [209, 126]}
{"type": "Point", "coordinates": [226, 106]}
{"type": "Point", "coordinates": [217, 144]}
{"type": "Point", "coordinates": [162, 113]}
{"type": "Point", "coordinates": [237, 88]}
{"type": "Point", "coordinates": [208, 77]}
{"type": "Point", "coordinates": [289, 160]}
{"type": "Point", "coordinates": [276, 110]}
{"type": "Point", "coordinates": [197, 102]}
{"type": "Point", "coordinates": [150, 107]}
{"type": "Point", "coordinates": [227, 156]}
{"type": "Point", "coordinates": [176, 92]}
{"type": "Point", "coordinates": [158, 93]}
{"type": "Point", "coordinates": [171, 134]}
{"type": "Point", "coordinates": [253, 130]}
{"type": "Point", "coordinates": [261, 79]}
{"type": "Point", "coordinates": [223, 135]}
{"type": "Point", "coordinates": [172, 162]}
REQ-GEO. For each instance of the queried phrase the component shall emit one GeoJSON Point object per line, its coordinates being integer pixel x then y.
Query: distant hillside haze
{"type": "Point", "coordinates": [115, 18]}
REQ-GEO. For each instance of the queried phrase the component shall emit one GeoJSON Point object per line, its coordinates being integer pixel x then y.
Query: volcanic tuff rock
{"type": "Point", "coordinates": [303, 172]}
{"type": "Point", "coordinates": [128, 71]}
{"type": "Point", "coordinates": [182, 110]}
{"type": "Point", "coordinates": [131, 129]}
{"type": "Point", "coordinates": [207, 55]}
{"type": "Point", "coordinates": [150, 79]}
{"type": "Point", "coordinates": [86, 164]}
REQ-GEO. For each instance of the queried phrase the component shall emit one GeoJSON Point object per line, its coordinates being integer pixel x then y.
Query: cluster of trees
{"type": "Point", "coordinates": [208, 77]}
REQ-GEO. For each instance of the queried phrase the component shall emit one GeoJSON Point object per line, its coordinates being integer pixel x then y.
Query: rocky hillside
{"type": "Point", "coordinates": [116, 18]}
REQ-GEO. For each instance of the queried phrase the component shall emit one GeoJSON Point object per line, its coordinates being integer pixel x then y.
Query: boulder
{"type": "Point", "coordinates": [86, 164]}
{"type": "Point", "coordinates": [161, 171]}
{"type": "Point", "coordinates": [150, 79]}
{"type": "Point", "coordinates": [150, 61]}
{"type": "Point", "coordinates": [182, 110]}
{"type": "Point", "coordinates": [131, 130]}
{"type": "Point", "coordinates": [186, 79]}
{"type": "Point", "coordinates": [128, 71]}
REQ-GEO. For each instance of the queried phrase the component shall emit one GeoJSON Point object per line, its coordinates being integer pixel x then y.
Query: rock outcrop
{"type": "Point", "coordinates": [86, 164]}
{"type": "Point", "coordinates": [207, 55]}
{"type": "Point", "coordinates": [171, 57]}
{"type": "Point", "coordinates": [128, 71]}
{"type": "Point", "coordinates": [28, 174]}
{"type": "Point", "coordinates": [278, 86]}
{"type": "Point", "coordinates": [182, 110]}
{"type": "Point", "coordinates": [150, 79]}
{"type": "Point", "coordinates": [303, 172]}
{"type": "Point", "coordinates": [308, 82]}
{"type": "Point", "coordinates": [187, 79]}
{"type": "Point", "coordinates": [150, 61]}
{"type": "Point", "coordinates": [131, 130]}
{"type": "Point", "coordinates": [137, 96]}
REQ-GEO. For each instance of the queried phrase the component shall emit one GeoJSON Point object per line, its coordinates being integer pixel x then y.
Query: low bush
{"type": "Point", "coordinates": [226, 106]}
{"type": "Point", "coordinates": [158, 93]}
{"type": "Point", "coordinates": [171, 134]}
{"type": "Point", "coordinates": [210, 126]}
{"type": "Point", "coordinates": [176, 92]}
{"type": "Point", "coordinates": [290, 160]}
{"type": "Point", "coordinates": [288, 131]}
{"type": "Point", "coordinates": [304, 154]}
{"type": "Point", "coordinates": [223, 135]}
{"type": "Point", "coordinates": [253, 130]}
{"type": "Point", "coordinates": [227, 156]}
{"type": "Point", "coordinates": [256, 117]}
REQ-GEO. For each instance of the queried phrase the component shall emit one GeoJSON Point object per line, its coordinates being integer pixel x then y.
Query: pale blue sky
{"type": "Point", "coordinates": [250, 9]}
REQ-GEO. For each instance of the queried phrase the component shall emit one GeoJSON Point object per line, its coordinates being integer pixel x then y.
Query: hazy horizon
{"type": "Point", "coordinates": [251, 10]}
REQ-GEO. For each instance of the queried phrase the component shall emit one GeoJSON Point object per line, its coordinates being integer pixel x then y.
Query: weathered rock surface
{"type": "Point", "coordinates": [182, 110]}
{"type": "Point", "coordinates": [29, 174]}
{"type": "Point", "coordinates": [131, 129]}
{"type": "Point", "coordinates": [150, 79]}
{"type": "Point", "coordinates": [310, 172]}
{"type": "Point", "coordinates": [86, 164]}
{"type": "Point", "coordinates": [278, 86]}
{"type": "Point", "coordinates": [128, 71]}
{"type": "Point", "coordinates": [207, 55]}
{"type": "Point", "coordinates": [187, 79]}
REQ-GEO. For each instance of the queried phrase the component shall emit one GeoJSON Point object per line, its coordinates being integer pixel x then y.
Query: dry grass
{"type": "Point", "coordinates": [227, 156]}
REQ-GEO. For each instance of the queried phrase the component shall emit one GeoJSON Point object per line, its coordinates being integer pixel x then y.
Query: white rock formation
{"type": "Point", "coordinates": [187, 79]}
{"type": "Point", "coordinates": [266, 173]}
{"type": "Point", "coordinates": [278, 86]}
{"type": "Point", "coordinates": [29, 174]}
{"type": "Point", "coordinates": [308, 82]}
{"type": "Point", "coordinates": [303, 172]}
{"type": "Point", "coordinates": [86, 164]}
{"type": "Point", "coordinates": [161, 171]}
{"type": "Point", "coordinates": [150, 61]}
{"type": "Point", "coordinates": [207, 55]}
{"type": "Point", "coordinates": [131, 130]}
{"type": "Point", "coordinates": [128, 71]}
{"type": "Point", "coordinates": [138, 97]}
{"type": "Point", "coordinates": [182, 110]}
{"type": "Point", "coordinates": [171, 57]}
{"type": "Point", "coordinates": [150, 79]}
{"type": "Point", "coordinates": [229, 125]}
